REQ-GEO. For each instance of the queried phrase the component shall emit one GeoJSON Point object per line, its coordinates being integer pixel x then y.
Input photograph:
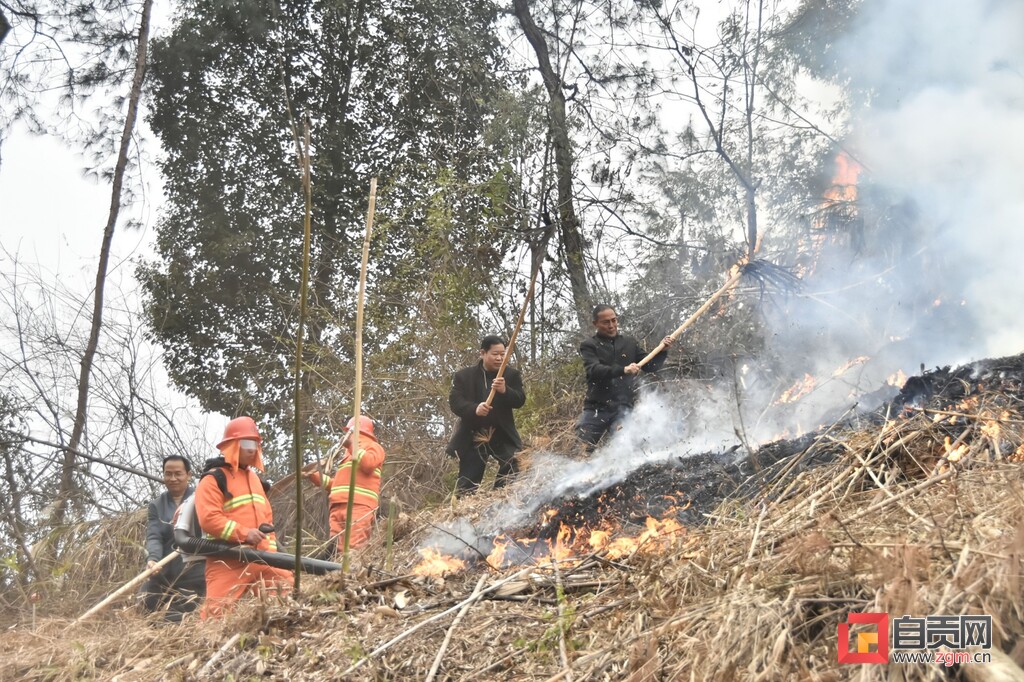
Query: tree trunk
{"type": "Point", "coordinates": [68, 487]}
{"type": "Point", "coordinates": [751, 202]}
{"type": "Point", "coordinates": [5, 26]}
{"type": "Point", "coordinates": [751, 91]}
{"type": "Point", "coordinates": [569, 226]}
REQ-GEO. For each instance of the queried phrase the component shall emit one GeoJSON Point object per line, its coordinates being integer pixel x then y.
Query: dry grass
{"type": "Point", "coordinates": [756, 594]}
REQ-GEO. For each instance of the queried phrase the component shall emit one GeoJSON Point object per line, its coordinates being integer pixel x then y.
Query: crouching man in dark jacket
{"type": "Point", "coordinates": [610, 359]}
{"type": "Point", "coordinates": [485, 430]}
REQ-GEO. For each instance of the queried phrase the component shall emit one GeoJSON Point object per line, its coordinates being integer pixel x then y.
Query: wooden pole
{"type": "Point", "coordinates": [451, 629]}
{"type": "Point", "coordinates": [307, 189]}
{"type": "Point", "coordinates": [538, 260]}
{"type": "Point", "coordinates": [357, 401]}
{"type": "Point", "coordinates": [693, 318]}
{"type": "Point", "coordinates": [389, 544]}
{"type": "Point", "coordinates": [127, 586]}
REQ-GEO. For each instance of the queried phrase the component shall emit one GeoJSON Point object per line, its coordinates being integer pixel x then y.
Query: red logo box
{"type": "Point", "coordinates": [863, 654]}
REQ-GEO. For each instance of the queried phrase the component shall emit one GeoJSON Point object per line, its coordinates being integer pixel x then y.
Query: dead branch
{"type": "Point", "coordinates": [455, 623]}
{"type": "Point", "coordinates": [208, 668]}
{"type": "Point", "coordinates": [387, 645]}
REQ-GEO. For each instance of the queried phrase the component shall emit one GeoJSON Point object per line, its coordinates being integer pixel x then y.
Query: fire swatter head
{"type": "Point", "coordinates": [770, 276]}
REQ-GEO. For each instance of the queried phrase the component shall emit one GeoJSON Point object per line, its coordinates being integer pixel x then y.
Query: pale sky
{"type": "Point", "coordinates": [51, 214]}
{"type": "Point", "coordinates": [52, 217]}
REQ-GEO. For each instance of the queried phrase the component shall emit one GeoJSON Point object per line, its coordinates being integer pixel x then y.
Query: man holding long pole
{"type": "Point", "coordinates": [179, 586]}
{"type": "Point", "coordinates": [487, 426]}
{"type": "Point", "coordinates": [612, 362]}
{"type": "Point", "coordinates": [365, 466]}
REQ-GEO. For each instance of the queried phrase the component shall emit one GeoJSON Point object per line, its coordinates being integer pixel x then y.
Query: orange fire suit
{"type": "Point", "coordinates": [231, 519]}
{"type": "Point", "coordinates": [367, 492]}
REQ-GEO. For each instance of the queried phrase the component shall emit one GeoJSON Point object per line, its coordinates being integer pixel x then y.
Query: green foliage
{"type": "Point", "coordinates": [554, 392]}
{"type": "Point", "coordinates": [560, 627]}
{"type": "Point", "coordinates": [401, 90]}
{"type": "Point", "coordinates": [59, 62]}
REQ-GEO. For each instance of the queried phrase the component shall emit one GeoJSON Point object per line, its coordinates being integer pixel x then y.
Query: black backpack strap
{"type": "Point", "coordinates": [214, 468]}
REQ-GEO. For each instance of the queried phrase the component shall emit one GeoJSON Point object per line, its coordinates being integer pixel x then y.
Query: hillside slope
{"type": "Point", "coordinates": [913, 510]}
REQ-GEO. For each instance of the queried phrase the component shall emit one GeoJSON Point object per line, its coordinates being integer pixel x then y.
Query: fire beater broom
{"type": "Point", "coordinates": [763, 272]}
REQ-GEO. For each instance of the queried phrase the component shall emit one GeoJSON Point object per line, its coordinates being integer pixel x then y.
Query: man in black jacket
{"type": "Point", "coordinates": [485, 430]}
{"type": "Point", "coordinates": [179, 586]}
{"type": "Point", "coordinates": [610, 361]}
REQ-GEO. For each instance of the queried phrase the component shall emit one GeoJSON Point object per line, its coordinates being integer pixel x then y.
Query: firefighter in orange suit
{"type": "Point", "coordinates": [232, 506]}
{"type": "Point", "coordinates": [368, 465]}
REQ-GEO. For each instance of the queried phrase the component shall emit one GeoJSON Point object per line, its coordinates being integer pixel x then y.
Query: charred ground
{"type": "Point", "coordinates": [690, 487]}
{"type": "Point", "coordinates": [871, 514]}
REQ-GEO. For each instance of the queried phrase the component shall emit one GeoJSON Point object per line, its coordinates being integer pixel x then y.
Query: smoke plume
{"type": "Point", "coordinates": [928, 273]}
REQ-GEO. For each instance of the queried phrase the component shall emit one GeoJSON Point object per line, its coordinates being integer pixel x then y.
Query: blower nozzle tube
{"type": "Point", "coordinates": [199, 546]}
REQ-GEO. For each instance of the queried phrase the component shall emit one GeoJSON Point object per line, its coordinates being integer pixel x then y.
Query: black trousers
{"type": "Point", "coordinates": [594, 423]}
{"type": "Point", "coordinates": [178, 588]}
{"type": "Point", "coordinates": [473, 463]}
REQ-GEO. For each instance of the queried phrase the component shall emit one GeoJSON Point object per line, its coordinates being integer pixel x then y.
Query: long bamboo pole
{"type": "Point", "coordinates": [358, 399]}
{"type": "Point", "coordinates": [538, 261]}
{"type": "Point", "coordinates": [307, 190]}
{"type": "Point", "coordinates": [733, 281]}
{"type": "Point", "coordinates": [512, 339]}
{"type": "Point", "coordinates": [113, 596]}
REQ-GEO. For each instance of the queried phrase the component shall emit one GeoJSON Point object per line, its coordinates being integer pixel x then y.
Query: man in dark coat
{"type": "Point", "coordinates": [610, 359]}
{"type": "Point", "coordinates": [485, 430]}
{"type": "Point", "coordinates": [179, 586]}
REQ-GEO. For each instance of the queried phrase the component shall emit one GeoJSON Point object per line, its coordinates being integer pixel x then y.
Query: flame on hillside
{"type": "Point", "coordinates": [843, 369]}
{"type": "Point", "coordinates": [436, 564]}
{"type": "Point", "coordinates": [798, 390]}
{"type": "Point", "coordinates": [838, 207]}
{"type": "Point", "coordinates": [898, 379]}
{"type": "Point", "coordinates": [569, 544]}
{"type": "Point", "coordinates": [844, 182]}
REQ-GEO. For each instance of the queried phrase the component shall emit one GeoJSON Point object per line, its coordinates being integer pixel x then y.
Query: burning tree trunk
{"type": "Point", "coordinates": [569, 224]}
{"type": "Point", "coordinates": [68, 487]}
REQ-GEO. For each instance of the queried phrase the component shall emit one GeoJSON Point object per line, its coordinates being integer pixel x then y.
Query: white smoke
{"type": "Point", "coordinates": [937, 106]}
{"type": "Point", "coordinates": [945, 131]}
{"type": "Point", "coordinates": [661, 427]}
{"type": "Point", "coordinates": [941, 135]}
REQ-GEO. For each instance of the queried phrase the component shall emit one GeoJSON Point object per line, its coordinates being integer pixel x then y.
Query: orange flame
{"type": "Point", "coordinates": [898, 379]}
{"type": "Point", "coordinates": [954, 454]}
{"type": "Point", "coordinates": [797, 390]}
{"type": "Point", "coordinates": [657, 536]}
{"type": "Point", "coordinates": [838, 200]}
{"type": "Point", "coordinates": [844, 182]}
{"type": "Point", "coordinates": [992, 428]}
{"type": "Point", "coordinates": [598, 539]}
{"type": "Point", "coordinates": [843, 369]}
{"type": "Point", "coordinates": [497, 556]}
{"type": "Point", "coordinates": [436, 564]}
{"type": "Point", "coordinates": [570, 542]}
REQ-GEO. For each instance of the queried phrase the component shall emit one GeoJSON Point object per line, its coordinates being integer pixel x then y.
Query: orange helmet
{"type": "Point", "coordinates": [365, 426]}
{"type": "Point", "coordinates": [238, 428]}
